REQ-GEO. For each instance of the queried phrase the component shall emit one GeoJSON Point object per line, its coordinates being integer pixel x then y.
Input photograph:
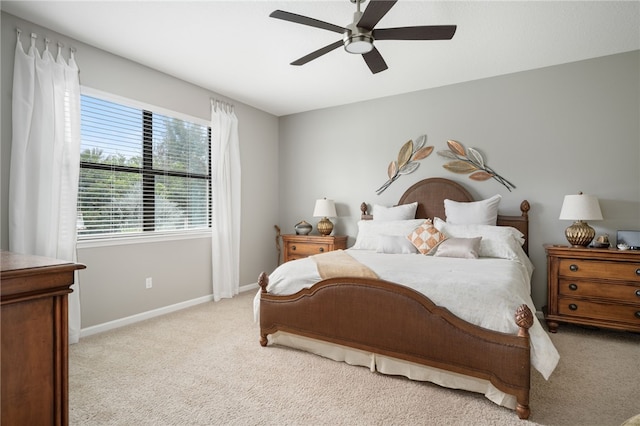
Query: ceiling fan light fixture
{"type": "Point", "coordinates": [358, 44]}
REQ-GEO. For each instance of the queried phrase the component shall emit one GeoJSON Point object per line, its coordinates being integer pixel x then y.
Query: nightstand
{"type": "Point", "coordinates": [299, 246]}
{"type": "Point", "coordinates": [589, 286]}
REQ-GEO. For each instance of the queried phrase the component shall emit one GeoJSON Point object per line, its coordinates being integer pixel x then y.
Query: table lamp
{"type": "Point", "coordinates": [325, 208]}
{"type": "Point", "coordinates": [580, 208]}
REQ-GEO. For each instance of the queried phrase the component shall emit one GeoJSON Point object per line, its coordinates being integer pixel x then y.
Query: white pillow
{"type": "Point", "coordinates": [369, 231]}
{"type": "Point", "coordinates": [394, 244]}
{"type": "Point", "coordinates": [465, 248]}
{"type": "Point", "coordinates": [483, 212]}
{"type": "Point", "coordinates": [401, 212]}
{"type": "Point", "coordinates": [497, 241]}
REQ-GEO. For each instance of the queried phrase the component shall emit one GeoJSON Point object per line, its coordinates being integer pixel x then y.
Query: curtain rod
{"type": "Point", "coordinates": [34, 37]}
{"type": "Point", "coordinates": [218, 104]}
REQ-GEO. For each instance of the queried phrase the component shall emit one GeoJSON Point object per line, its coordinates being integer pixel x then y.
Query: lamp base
{"type": "Point", "coordinates": [325, 226]}
{"type": "Point", "coordinates": [580, 234]}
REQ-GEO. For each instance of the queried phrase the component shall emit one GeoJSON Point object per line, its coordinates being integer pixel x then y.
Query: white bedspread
{"type": "Point", "coordinates": [484, 291]}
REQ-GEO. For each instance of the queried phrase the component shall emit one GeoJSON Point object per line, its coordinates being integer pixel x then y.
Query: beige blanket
{"type": "Point", "coordinates": [339, 263]}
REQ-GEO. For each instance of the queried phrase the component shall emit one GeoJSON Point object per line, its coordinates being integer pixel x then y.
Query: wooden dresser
{"type": "Point", "coordinates": [35, 339]}
{"type": "Point", "coordinates": [597, 287]}
{"type": "Point", "coordinates": [299, 246]}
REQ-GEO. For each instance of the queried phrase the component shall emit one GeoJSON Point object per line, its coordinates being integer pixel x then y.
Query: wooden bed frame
{"type": "Point", "coordinates": [366, 314]}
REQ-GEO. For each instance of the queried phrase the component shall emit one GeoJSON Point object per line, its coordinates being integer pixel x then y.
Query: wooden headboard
{"type": "Point", "coordinates": [430, 194]}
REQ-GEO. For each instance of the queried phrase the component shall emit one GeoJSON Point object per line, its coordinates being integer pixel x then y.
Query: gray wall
{"type": "Point", "coordinates": [113, 286]}
{"type": "Point", "coordinates": [551, 131]}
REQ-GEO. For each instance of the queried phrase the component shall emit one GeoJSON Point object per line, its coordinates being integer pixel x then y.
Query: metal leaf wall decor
{"type": "Point", "coordinates": [469, 160]}
{"type": "Point", "coordinates": [407, 161]}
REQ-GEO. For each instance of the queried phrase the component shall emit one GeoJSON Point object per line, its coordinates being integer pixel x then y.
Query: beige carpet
{"type": "Point", "coordinates": [204, 366]}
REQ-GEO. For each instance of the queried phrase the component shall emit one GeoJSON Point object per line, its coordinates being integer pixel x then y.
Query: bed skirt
{"type": "Point", "coordinates": [393, 366]}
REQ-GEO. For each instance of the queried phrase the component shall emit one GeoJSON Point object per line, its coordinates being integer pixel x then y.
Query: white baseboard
{"type": "Point", "coordinates": [153, 313]}
{"type": "Point", "coordinates": [249, 287]}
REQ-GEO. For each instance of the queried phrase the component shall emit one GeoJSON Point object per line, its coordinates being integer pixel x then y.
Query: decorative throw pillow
{"type": "Point", "coordinates": [401, 212]}
{"type": "Point", "coordinates": [483, 212]}
{"type": "Point", "coordinates": [497, 241]}
{"type": "Point", "coordinates": [395, 244]}
{"type": "Point", "coordinates": [426, 237]}
{"type": "Point", "coordinates": [466, 248]}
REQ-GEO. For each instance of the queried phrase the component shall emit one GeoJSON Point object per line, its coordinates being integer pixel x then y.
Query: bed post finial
{"type": "Point", "coordinates": [524, 320]}
{"type": "Point", "coordinates": [363, 209]}
{"type": "Point", "coordinates": [263, 281]}
{"type": "Point", "coordinates": [524, 208]}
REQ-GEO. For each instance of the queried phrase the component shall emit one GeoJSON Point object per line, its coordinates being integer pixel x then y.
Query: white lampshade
{"type": "Point", "coordinates": [325, 208]}
{"type": "Point", "coordinates": [580, 207]}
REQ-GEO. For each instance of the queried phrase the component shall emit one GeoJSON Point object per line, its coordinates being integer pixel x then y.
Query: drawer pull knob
{"type": "Point", "coordinates": [573, 268]}
{"type": "Point", "coordinates": [638, 271]}
{"type": "Point", "coordinates": [638, 314]}
{"type": "Point", "coordinates": [293, 248]}
{"type": "Point", "coordinates": [321, 249]}
{"type": "Point", "coordinates": [573, 286]}
{"type": "Point", "coordinates": [573, 307]}
{"type": "Point", "coordinates": [638, 293]}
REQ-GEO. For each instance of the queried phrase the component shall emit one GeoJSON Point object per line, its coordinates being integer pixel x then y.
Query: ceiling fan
{"type": "Point", "coordinates": [359, 35]}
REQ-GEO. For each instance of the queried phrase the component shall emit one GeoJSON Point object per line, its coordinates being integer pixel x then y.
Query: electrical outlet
{"type": "Point", "coordinates": [149, 282]}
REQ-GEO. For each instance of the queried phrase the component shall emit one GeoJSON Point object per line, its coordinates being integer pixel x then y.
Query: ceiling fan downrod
{"type": "Point", "coordinates": [357, 40]}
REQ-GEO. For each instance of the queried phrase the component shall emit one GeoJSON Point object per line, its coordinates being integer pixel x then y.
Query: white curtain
{"type": "Point", "coordinates": [225, 239]}
{"type": "Point", "coordinates": [45, 160]}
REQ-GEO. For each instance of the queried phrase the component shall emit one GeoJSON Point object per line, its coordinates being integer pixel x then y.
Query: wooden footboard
{"type": "Point", "coordinates": [396, 321]}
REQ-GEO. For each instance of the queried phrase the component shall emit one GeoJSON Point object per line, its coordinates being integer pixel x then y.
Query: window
{"type": "Point", "coordinates": [141, 171]}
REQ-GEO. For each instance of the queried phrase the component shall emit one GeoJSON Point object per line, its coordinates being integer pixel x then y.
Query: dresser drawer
{"type": "Point", "coordinates": [594, 269]}
{"type": "Point", "coordinates": [597, 310]}
{"type": "Point", "coordinates": [586, 288]}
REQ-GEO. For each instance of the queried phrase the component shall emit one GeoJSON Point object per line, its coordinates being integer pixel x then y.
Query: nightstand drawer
{"type": "Point", "coordinates": [579, 268]}
{"type": "Point", "coordinates": [306, 249]}
{"type": "Point", "coordinates": [596, 310]}
{"type": "Point", "coordinates": [300, 246]}
{"type": "Point", "coordinates": [585, 288]}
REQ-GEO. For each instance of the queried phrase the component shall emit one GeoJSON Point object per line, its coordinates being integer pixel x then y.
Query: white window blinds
{"type": "Point", "coordinates": [141, 171]}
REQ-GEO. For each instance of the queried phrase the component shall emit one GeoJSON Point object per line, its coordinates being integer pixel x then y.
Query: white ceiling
{"type": "Point", "coordinates": [234, 49]}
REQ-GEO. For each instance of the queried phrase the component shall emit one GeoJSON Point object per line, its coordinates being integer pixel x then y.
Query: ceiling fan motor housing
{"type": "Point", "coordinates": [357, 40]}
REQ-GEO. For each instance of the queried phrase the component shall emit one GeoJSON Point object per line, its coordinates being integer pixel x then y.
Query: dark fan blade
{"type": "Point", "coordinates": [375, 61]}
{"type": "Point", "coordinates": [317, 53]}
{"type": "Point", "coordinates": [304, 20]}
{"type": "Point", "coordinates": [429, 32]}
{"type": "Point", "coordinates": [374, 13]}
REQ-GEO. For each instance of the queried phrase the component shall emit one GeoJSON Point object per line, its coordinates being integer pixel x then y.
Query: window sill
{"type": "Point", "coordinates": [142, 239]}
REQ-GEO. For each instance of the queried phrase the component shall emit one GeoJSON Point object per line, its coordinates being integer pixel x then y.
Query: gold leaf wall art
{"type": "Point", "coordinates": [410, 153]}
{"type": "Point", "coordinates": [470, 161]}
